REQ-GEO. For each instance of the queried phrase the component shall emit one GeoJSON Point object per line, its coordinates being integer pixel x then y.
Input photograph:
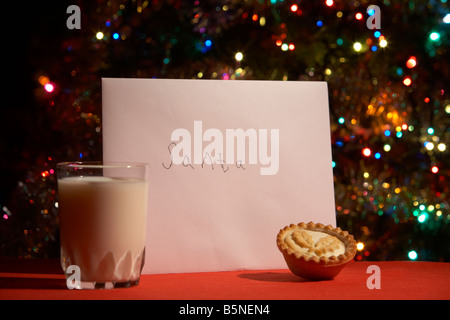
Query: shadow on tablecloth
{"type": "Point", "coordinates": [272, 277]}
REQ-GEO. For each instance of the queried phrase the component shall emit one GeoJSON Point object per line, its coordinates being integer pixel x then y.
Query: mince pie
{"type": "Point", "coordinates": [314, 251]}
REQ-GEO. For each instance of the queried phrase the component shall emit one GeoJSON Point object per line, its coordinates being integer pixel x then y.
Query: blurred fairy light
{"type": "Point", "coordinates": [412, 255]}
{"type": "Point", "coordinates": [262, 21]}
{"type": "Point", "coordinates": [446, 19]}
{"type": "Point", "coordinates": [239, 56]}
{"type": "Point", "coordinates": [99, 35]}
{"type": "Point", "coordinates": [49, 87]}
{"type": "Point", "coordinates": [357, 46]}
{"type": "Point", "coordinates": [434, 36]}
{"type": "Point", "coordinates": [43, 80]}
{"type": "Point", "coordinates": [7, 213]}
{"type": "Point", "coordinates": [422, 217]}
{"type": "Point", "coordinates": [366, 152]}
{"type": "Point", "coordinates": [429, 145]}
{"type": "Point", "coordinates": [359, 246]}
{"type": "Point", "coordinates": [411, 63]}
{"type": "Point", "coordinates": [407, 81]}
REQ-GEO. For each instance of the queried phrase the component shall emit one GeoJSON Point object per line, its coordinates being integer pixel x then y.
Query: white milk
{"type": "Point", "coordinates": [103, 226]}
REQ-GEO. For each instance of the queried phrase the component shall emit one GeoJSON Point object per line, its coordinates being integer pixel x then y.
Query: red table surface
{"type": "Point", "coordinates": [43, 279]}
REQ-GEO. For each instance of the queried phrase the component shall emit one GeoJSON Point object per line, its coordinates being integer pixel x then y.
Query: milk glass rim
{"type": "Point", "coordinates": [101, 164]}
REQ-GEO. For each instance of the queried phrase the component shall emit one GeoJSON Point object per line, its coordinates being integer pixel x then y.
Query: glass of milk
{"type": "Point", "coordinates": [102, 215]}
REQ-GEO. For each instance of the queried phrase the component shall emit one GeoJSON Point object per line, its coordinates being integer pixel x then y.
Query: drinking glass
{"type": "Point", "coordinates": [102, 215]}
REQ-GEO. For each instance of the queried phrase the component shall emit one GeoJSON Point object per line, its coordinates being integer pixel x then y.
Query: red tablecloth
{"type": "Point", "coordinates": [43, 279]}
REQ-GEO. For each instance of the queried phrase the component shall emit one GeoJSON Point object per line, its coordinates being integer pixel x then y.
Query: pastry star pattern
{"type": "Point", "coordinates": [320, 247]}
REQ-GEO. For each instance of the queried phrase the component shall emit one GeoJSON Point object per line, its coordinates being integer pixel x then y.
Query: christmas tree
{"type": "Point", "coordinates": [387, 72]}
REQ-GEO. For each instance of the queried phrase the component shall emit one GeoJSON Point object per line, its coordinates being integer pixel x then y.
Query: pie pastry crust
{"type": "Point", "coordinates": [314, 251]}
